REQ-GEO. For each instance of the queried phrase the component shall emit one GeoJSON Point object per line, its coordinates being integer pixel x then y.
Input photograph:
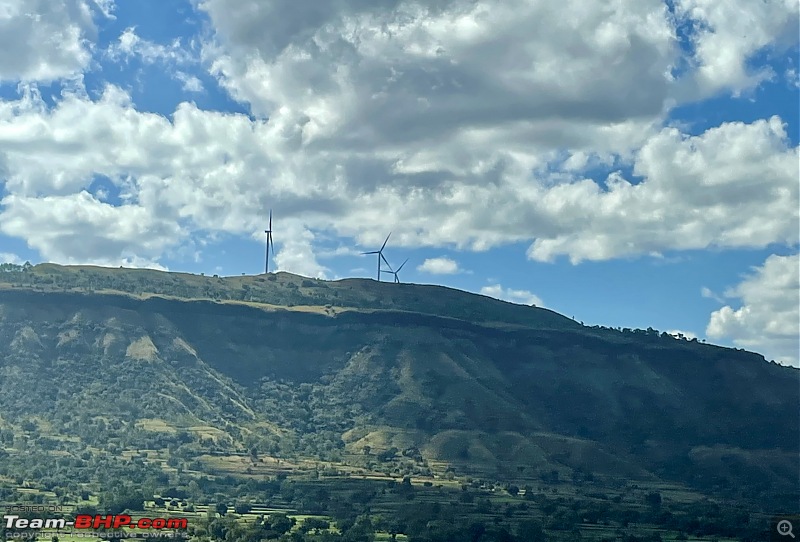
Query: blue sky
{"type": "Point", "coordinates": [631, 168]}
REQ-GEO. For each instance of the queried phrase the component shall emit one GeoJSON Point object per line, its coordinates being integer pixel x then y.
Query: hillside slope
{"type": "Point", "coordinates": [313, 369]}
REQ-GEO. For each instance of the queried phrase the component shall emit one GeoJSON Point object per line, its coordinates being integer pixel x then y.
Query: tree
{"type": "Point", "coordinates": [280, 523]}
{"type": "Point", "coordinates": [361, 531]}
{"type": "Point", "coordinates": [530, 530]}
{"type": "Point", "coordinates": [396, 527]}
{"type": "Point", "coordinates": [222, 509]}
{"type": "Point", "coordinates": [653, 500]}
{"type": "Point", "coordinates": [315, 524]}
{"type": "Point", "coordinates": [121, 500]}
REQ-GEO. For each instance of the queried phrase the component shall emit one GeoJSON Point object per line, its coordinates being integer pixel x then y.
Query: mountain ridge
{"type": "Point", "coordinates": [494, 397]}
{"type": "Point", "coordinates": [278, 289]}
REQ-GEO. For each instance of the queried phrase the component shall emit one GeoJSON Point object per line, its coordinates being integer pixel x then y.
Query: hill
{"type": "Point", "coordinates": [377, 377]}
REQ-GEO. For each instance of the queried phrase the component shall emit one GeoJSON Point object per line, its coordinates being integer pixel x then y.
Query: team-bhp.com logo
{"type": "Point", "coordinates": [88, 521]}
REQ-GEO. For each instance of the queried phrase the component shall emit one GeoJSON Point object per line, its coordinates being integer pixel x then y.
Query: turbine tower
{"type": "Point", "coordinates": [269, 243]}
{"type": "Point", "coordinates": [381, 257]}
{"type": "Point", "coordinates": [396, 278]}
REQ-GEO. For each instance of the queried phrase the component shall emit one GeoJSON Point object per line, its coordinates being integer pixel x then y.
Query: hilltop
{"type": "Point", "coordinates": [282, 290]}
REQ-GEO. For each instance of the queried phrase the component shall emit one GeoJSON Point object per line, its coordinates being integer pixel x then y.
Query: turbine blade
{"type": "Point", "coordinates": [371, 252]}
{"type": "Point", "coordinates": [387, 240]}
{"type": "Point", "coordinates": [386, 261]}
{"type": "Point", "coordinates": [401, 265]}
{"type": "Point", "coordinates": [270, 219]}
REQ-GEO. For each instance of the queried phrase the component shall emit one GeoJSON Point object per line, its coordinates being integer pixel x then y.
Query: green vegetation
{"type": "Point", "coordinates": [281, 290]}
{"type": "Point", "coordinates": [278, 407]}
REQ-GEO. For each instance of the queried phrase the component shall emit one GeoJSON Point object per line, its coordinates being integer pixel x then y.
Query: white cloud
{"type": "Point", "coordinates": [190, 82]}
{"type": "Point", "coordinates": [732, 186]}
{"type": "Point", "coordinates": [402, 83]}
{"type": "Point", "coordinates": [709, 294]}
{"type": "Point", "coordinates": [130, 45]}
{"type": "Point", "coordinates": [171, 56]}
{"type": "Point", "coordinates": [792, 78]}
{"type": "Point", "coordinates": [296, 254]}
{"type": "Point", "coordinates": [731, 33]}
{"type": "Point", "coordinates": [768, 319]}
{"type": "Point", "coordinates": [440, 266]}
{"type": "Point", "coordinates": [451, 74]}
{"type": "Point", "coordinates": [44, 40]}
{"type": "Point", "coordinates": [78, 228]}
{"type": "Point", "coordinates": [338, 251]}
{"type": "Point", "coordinates": [523, 297]}
{"type": "Point", "coordinates": [7, 257]}
{"type": "Point", "coordinates": [106, 7]}
{"type": "Point", "coordinates": [450, 123]}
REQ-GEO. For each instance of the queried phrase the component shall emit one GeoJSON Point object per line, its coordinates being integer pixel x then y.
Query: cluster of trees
{"type": "Point", "coordinates": [13, 268]}
{"type": "Point", "coordinates": [139, 282]}
{"type": "Point", "coordinates": [649, 332]}
{"type": "Point", "coordinates": [421, 524]}
{"type": "Point", "coordinates": [424, 514]}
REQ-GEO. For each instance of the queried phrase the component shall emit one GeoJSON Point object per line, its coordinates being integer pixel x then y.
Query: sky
{"type": "Point", "coordinates": [629, 164]}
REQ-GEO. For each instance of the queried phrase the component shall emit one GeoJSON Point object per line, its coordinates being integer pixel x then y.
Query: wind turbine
{"type": "Point", "coordinates": [269, 243]}
{"type": "Point", "coordinates": [396, 278]}
{"type": "Point", "coordinates": [381, 257]}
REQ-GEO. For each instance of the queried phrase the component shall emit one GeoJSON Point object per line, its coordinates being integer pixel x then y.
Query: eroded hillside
{"type": "Point", "coordinates": [329, 381]}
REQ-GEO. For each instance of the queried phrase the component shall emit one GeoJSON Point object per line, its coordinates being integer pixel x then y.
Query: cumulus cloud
{"type": "Point", "coordinates": [130, 45]}
{"type": "Point", "coordinates": [44, 40]}
{"type": "Point", "coordinates": [523, 297]}
{"type": "Point", "coordinates": [732, 186]}
{"type": "Point", "coordinates": [768, 317]}
{"type": "Point", "coordinates": [7, 257]}
{"type": "Point", "coordinates": [730, 33]}
{"type": "Point", "coordinates": [296, 255]}
{"type": "Point", "coordinates": [451, 123]}
{"type": "Point", "coordinates": [791, 77]}
{"type": "Point", "coordinates": [411, 74]}
{"type": "Point", "coordinates": [403, 82]}
{"type": "Point", "coordinates": [337, 252]}
{"type": "Point", "coordinates": [190, 82]}
{"type": "Point", "coordinates": [78, 228]}
{"type": "Point", "coordinates": [439, 266]}
{"type": "Point", "coordinates": [171, 56]}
